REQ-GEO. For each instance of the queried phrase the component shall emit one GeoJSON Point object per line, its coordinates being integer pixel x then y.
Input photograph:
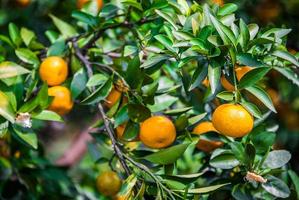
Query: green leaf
{"type": "Point", "coordinates": [227, 9]}
{"type": "Point", "coordinates": [99, 94]}
{"type": "Point", "coordinates": [262, 96]}
{"type": "Point", "coordinates": [253, 109]}
{"type": "Point", "coordinates": [138, 113]}
{"type": "Point", "coordinates": [204, 189]}
{"type": "Point", "coordinates": [121, 116]}
{"type": "Point", "coordinates": [276, 187]}
{"type": "Point", "coordinates": [27, 35]}
{"type": "Point", "coordinates": [198, 76]}
{"type": "Point", "coordinates": [289, 74]}
{"type": "Point", "coordinates": [277, 159]}
{"type": "Point", "coordinates": [244, 36]}
{"type": "Point", "coordinates": [85, 18]}
{"type": "Point", "coordinates": [154, 60]}
{"type": "Point", "coordinates": [14, 34]}
{"type": "Point", "coordinates": [134, 75]}
{"type": "Point", "coordinates": [5, 39]}
{"type": "Point", "coordinates": [78, 83]}
{"type": "Point", "coordinates": [178, 111]}
{"type": "Point", "coordinates": [42, 96]}
{"type": "Point", "coordinates": [166, 42]}
{"type": "Point", "coordinates": [96, 79]}
{"type": "Point", "coordinates": [214, 73]}
{"type": "Point", "coordinates": [26, 136]}
{"type": "Point", "coordinates": [65, 29]}
{"type": "Point", "coordinates": [167, 18]}
{"type": "Point", "coordinates": [253, 76]}
{"type": "Point", "coordinates": [133, 3]}
{"type": "Point", "coordinates": [10, 69]}
{"type": "Point", "coordinates": [196, 119]}
{"type": "Point", "coordinates": [285, 55]}
{"type": "Point", "coordinates": [130, 50]}
{"type": "Point", "coordinates": [131, 131]}
{"type": "Point", "coordinates": [295, 180]}
{"type": "Point", "coordinates": [168, 155]}
{"type": "Point", "coordinates": [27, 56]}
{"type": "Point", "coordinates": [262, 140]}
{"type": "Point", "coordinates": [238, 150]}
{"type": "Point", "coordinates": [6, 110]}
{"type": "Point", "coordinates": [249, 155]}
{"type": "Point", "coordinates": [57, 48]}
{"type": "Point", "coordinates": [249, 60]}
{"type": "Point", "coordinates": [185, 178]}
{"type": "Point", "coordinates": [226, 95]}
{"type": "Point", "coordinates": [223, 159]}
{"type": "Point", "coordinates": [48, 115]}
{"type": "Point", "coordinates": [253, 30]}
{"type": "Point", "coordinates": [225, 33]}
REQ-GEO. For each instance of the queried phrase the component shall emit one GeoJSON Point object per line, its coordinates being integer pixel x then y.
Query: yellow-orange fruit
{"type": "Point", "coordinates": [113, 97]}
{"type": "Point", "coordinates": [219, 2]}
{"type": "Point", "coordinates": [23, 3]}
{"type": "Point", "coordinates": [53, 70]}
{"type": "Point", "coordinates": [232, 120]}
{"type": "Point", "coordinates": [240, 72]}
{"type": "Point", "coordinates": [204, 127]}
{"type": "Point", "coordinates": [62, 102]}
{"type": "Point", "coordinates": [108, 183]}
{"type": "Point", "coordinates": [208, 145]}
{"type": "Point", "coordinates": [157, 132]}
{"type": "Point", "coordinates": [80, 3]}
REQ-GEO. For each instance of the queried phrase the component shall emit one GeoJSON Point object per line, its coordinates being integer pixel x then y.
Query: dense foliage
{"type": "Point", "coordinates": [171, 58]}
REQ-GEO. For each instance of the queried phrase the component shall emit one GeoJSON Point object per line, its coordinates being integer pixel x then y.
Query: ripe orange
{"type": "Point", "coordinates": [62, 102]}
{"type": "Point", "coordinates": [113, 97]}
{"type": "Point", "coordinates": [80, 3]}
{"type": "Point", "coordinates": [108, 183]}
{"type": "Point", "coordinates": [240, 72]}
{"type": "Point", "coordinates": [219, 2]}
{"type": "Point", "coordinates": [268, 10]}
{"type": "Point", "coordinates": [204, 127]}
{"type": "Point", "coordinates": [23, 3]}
{"type": "Point", "coordinates": [208, 145]}
{"type": "Point", "coordinates": [157, 132]}
{"type": "Point", "coordinates": [206, 82]}
{"type": "Point", "coordinates": [232, 120]}
{"type": "Point", "coordinates": [53, 70]}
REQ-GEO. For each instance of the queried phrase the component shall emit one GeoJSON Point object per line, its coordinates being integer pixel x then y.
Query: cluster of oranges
{"type": "Point", "coordinates": [54, 71]}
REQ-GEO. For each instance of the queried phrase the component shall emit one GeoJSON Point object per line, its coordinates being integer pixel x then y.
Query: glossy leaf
{"type": "Point", "coordinates": [168, 155]}
{"type": "Point", "coordinates": [277, 159]}
{"type": "Point", "coordinates": [10, 69]}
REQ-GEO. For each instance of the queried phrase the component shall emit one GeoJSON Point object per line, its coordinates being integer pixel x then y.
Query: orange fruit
{"type": "Point", "coordinates": [108, 183]}
{"type": "Point", "coordinates": [53, 70]}
{"type": "Point", "coordinates": [23, 3]}
{"type": "Point", "coordinates": [157, 132]}
{"type": "Point", "coordinates": [268, 10]}
{"type": "Point", "coordinates": [113, 97]}
{"type": "Point", "coordinates": [62, 102]}
{"type": "Point", "coordinates": [208, 145]}
{"type": "Point", "coordinates": [80, 3]}
{"type": "Point", "coordinates": [204, 127]}
{"type": "Point", "coordinates": [206, 82]}
{"type": "Point", "coordinates": [240, 72]}
{"type": "Point", "coordinates": [232, 120]}
{"type": "Point", "coordinates": [120, 130]}
{"type": "Point", "coordinates": [219, 2]}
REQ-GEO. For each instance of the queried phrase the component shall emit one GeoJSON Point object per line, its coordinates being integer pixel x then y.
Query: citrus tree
{"type": "Point", "coordinates": [182, 95]}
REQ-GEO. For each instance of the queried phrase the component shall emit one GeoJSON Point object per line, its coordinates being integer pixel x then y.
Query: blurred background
{"type": "Point", "coordinates": [56, 137]}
